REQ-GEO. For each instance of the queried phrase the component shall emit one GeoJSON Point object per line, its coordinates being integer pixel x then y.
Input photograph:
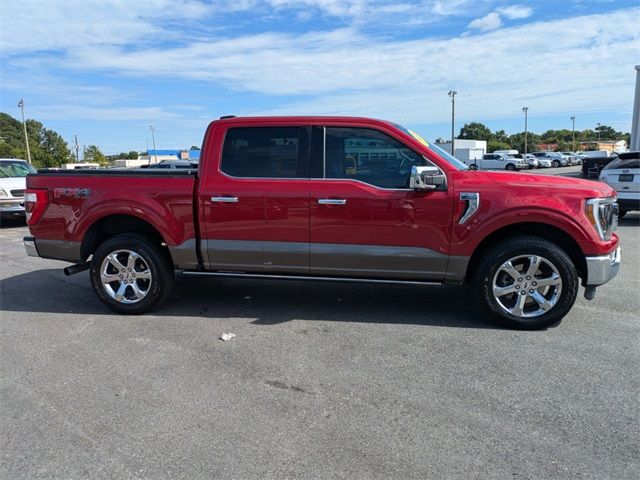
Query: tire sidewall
{"type": "Point", "coordinates": [546, 250]}
{"type": "Point", "coordinates": [155, 262]}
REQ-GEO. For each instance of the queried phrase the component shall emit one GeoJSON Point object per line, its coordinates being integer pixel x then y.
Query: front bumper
{"type": "Point", "coordinates": [602, 268]}
{"type": "Point", "coordinates": [12, 205]}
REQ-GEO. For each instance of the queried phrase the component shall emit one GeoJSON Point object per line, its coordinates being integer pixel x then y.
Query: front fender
{"type": "Point", "coordinates": [467, 237]}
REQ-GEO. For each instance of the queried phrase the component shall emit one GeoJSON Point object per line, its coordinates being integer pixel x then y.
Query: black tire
{"type": "Point", "coordinates": [510, 166]}
{"type": "Point", "coordinates": [555, 164]}
{"type": "Point", "coordinates": [494, 259]}
{"type": "Point", "coordinates": [151, 261]}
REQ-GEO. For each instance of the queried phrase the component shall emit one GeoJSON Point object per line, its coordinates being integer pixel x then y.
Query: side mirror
{"type": "Point", "coordinates": [426, 178]}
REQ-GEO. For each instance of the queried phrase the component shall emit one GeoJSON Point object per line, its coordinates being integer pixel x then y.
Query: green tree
{"type": "Point", "coordinates": [55, 149]}
{"type": "Point", "coordinates": [608, 133]}
{"type": "Point", "coordinates": [132, 155]}
{"type": "Point", "coordinates": [193, 147]}
{"type": "Point", "coordinates": [93, 154]}
{"type": "Point", "coordinates": [475, 131]}
{"type": "Point", "coordinates": [7, 151]}
{"type": "Point", "coordinates": [494, 144]}
{"type": "Point", "coordinates": [48, 148]}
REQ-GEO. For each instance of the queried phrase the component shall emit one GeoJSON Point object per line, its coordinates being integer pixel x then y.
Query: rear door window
{"type": "Point", "coordinates": [265, 152]}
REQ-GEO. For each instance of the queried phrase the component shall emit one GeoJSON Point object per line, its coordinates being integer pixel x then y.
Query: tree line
{"type": "Point", "coordinates": [499, 140]}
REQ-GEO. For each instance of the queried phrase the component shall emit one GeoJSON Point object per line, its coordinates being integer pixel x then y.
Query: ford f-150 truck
{"type": "Point", "coordinates": [330, 198]}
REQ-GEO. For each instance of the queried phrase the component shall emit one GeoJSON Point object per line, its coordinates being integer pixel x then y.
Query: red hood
{"type": "Point", "coordinates": [527, 181]}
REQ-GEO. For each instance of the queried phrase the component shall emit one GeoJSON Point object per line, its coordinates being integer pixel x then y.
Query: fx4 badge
{"type": "Point", "coordinates": [71, 192]}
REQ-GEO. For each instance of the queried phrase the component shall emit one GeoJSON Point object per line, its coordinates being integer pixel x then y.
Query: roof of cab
{"type": "Point", "coordinates": [301, 119]}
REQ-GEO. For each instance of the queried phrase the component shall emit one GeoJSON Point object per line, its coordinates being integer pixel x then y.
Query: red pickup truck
{"type": "Point", "coordinates": [329, 198]}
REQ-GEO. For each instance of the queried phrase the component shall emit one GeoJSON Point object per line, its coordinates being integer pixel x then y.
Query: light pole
{"type": "Point", "coordinates": [24, 126]}
{"type": "Point", "coordinates": [598, 129]}
{"type": "Point", "coordinates": [573, 133]}
{"type": "Point", "coordinates": [452, 94]}
{"type": "Point", "coordinates": [75, 138]}
{"type": "Point", "coordinates": [525, 110]}
{"type": "Point", "coordinates": [153, 137]}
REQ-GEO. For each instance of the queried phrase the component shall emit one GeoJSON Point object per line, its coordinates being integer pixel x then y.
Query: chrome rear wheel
{"type": "Point", "coordinates": [125, 276]}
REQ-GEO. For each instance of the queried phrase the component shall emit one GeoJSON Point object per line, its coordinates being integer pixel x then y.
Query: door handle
{"type": "Point", "coordinates": [224, 199]}
{"type": "Point", "coordinates": [331, 201]}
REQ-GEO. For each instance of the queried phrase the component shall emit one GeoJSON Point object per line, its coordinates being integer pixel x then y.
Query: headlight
{"type": "Point", "coordinates": [3, 193]}
{"type": "Point", "coordinates": [603, 215]}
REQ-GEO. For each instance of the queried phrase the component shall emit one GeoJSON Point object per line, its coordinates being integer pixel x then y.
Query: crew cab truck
{"type": "Point", "coordinates": [330, 198]}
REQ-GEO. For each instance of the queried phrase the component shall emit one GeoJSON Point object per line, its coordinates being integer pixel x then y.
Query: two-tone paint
{"type": "Point", "coordinates": [315, 226]}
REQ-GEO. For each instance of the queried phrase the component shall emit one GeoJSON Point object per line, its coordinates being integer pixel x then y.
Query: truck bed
{"type": "Point", "coordinates": [83, 201]}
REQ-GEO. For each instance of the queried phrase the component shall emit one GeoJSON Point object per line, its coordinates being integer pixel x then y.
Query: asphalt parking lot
{"type": "Point", "coordinates": [321, 381]}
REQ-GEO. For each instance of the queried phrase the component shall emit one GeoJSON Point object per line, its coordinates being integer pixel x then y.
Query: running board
{"type": "Point", "coordinates": [300, 277]}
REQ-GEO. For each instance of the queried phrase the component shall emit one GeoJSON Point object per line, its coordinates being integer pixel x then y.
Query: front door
{"type": "Point", "coordinates": [365, 221]}
{"type": "Point", "coordinates": [256, 203]}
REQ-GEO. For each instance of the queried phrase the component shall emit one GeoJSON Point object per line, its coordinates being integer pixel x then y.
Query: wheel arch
{"type": "Point", "coordinates": [542, 230]}
{"type": "Point", "coordinates": [110, 225]}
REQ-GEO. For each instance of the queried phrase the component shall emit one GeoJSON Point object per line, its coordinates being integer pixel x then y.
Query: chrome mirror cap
{"type": "Point", "coordinates": [426, 178]}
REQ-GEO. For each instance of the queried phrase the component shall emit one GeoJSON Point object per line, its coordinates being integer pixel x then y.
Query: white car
{"type": "Point", "coordinates": [532, 161]}
{"type": "Point", "coordinates": [13, 183]}
{"type": "Point", "coordinates": [543, 162]}
{"type": "Point", "coordinates": [623, 174]}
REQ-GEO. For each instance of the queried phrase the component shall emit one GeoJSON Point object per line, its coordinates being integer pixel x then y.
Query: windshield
{"type": "Point", "coordinates": [443, 153]}
{"type": "Point", "coordinates": [624, 163]}
{"type": "Point", "coordinates": [15, 168]}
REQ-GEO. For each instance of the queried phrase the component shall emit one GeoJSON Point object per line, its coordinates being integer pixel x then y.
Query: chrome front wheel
{"type": "Point", "coordinates": [526, 282]}
{"type": "Point", "coordinates": [527, 286]}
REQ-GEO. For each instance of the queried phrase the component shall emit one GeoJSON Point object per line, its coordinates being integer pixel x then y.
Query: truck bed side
{"type": "Point", "coordinates": [84, 207]}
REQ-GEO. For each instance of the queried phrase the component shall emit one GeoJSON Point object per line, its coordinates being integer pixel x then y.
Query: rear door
{"type": "Point", "coordinates": [492, 162]}
{"type": "Point", "coordinates": [365, 221]}
{"type": "Point", "coordinates": [255, 200]}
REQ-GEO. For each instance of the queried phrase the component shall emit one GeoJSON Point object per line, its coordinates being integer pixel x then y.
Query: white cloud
{"type": "Point", "coordinates": [34, 25]}
{"type": "Point", "coordinates": [490, 21]}
{"type": "Point", "coordinates": [515, 12]}
{"type": "Point", "coordinates": [344, 71]}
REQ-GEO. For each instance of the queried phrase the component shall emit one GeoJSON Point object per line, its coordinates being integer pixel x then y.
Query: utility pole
{"type": "Point", "coordinates": [573, 134]}
{"type": "Point", "coordinates": [526, 111]}
{"type": "Point", "coordinates": [24, 126]}
{"type": "Point", "coordinates": [75, 137]}
{"type": "Point", "coordinates": [598, 129]}
{"type": "Point", "coordinates": [452, 94]}
{"type": "Point", "coordinates": [153, 136]}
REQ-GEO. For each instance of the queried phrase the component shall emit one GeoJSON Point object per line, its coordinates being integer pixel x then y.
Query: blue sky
{"type": "Point", "coordinates": [108, 69]}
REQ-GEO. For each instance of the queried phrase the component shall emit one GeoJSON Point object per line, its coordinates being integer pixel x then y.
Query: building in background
{"type": "Point", "coordinates": [156, 156]}
{"type": "Point", "coordinates": [466, 150]}
{"type": "Point", "coordinates": [617, 146]}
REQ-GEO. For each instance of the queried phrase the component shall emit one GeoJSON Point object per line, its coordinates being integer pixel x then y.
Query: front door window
{"type": "Point", "coordinates": [368, 156]}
